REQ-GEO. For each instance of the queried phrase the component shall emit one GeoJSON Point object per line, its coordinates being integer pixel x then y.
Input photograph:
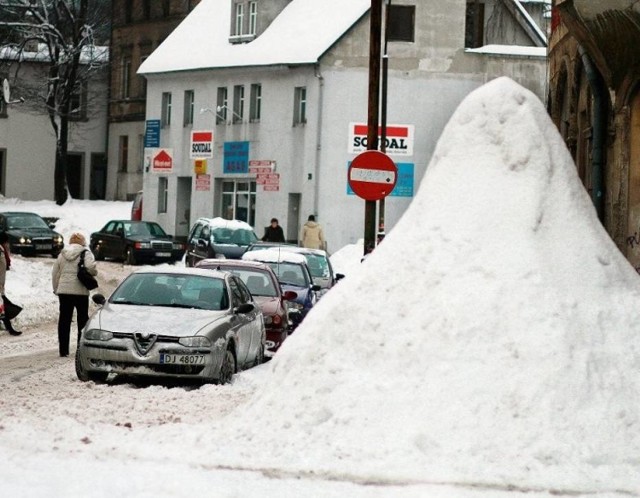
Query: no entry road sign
{"type": "Point", "coordinates": [372, 175]}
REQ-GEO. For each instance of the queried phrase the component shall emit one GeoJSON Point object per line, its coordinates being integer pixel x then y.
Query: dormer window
{"type": "Point", "coordinates": [244, 22]}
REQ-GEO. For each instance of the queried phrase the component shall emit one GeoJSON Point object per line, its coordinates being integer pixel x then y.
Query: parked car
{"type": "Point", "coordinates": [218, 238]}
{"type": "Point", "coordinates": [266, 291]}
{"type": "Point", "coordinates": [317, 260]}
{"type": "Point", "coordinates": [135, 242]}
{"type": "Point", "coordinates": [181, 323]}
{"type": "Point", "coordinates": [29, 234]}
{"type": "Point", "coordinates": [136, 207]}
{"type": "Point", "coordinates": [293, 274]}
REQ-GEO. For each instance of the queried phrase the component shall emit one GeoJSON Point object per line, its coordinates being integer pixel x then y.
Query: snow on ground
{"type": "Point", "coordinates": [488, 347]}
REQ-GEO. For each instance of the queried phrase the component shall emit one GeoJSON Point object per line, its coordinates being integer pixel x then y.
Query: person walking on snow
{"type": "Point", "coordinates": [5, 265]}
{"type": "Point", "coordinates": [71, 293]}
{"type": "Point", "coordinates": [311, 235]}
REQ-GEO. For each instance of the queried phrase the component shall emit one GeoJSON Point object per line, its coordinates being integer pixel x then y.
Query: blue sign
{"type": "Point", "coordinates": [236, 157]}
{"type": "Point", "coordinates": [152, 134]}
{"type": "Point", "coordinates": [404, 185]}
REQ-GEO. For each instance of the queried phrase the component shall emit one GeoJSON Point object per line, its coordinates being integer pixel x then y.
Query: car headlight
{"type": "Point", "coordinates": [25, 240]}
{"type": "Point", "coordinates": [268, 320]}
{"type": "Point", "coordinates": [57, 239]}
{"type": "Point", "coordinates": [98, 335]}
{"type": "Point", "coordinates": [143, 245]}
{"type": "Point", "coordinates": [195, 342]}
{"type": "Point", "coordinates": [178, 246]}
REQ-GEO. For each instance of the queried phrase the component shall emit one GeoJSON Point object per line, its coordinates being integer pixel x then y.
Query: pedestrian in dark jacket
{"type": "Point", "coordinates": [5, 265]}
{"type": "Point", "coordinates": [274, 232]}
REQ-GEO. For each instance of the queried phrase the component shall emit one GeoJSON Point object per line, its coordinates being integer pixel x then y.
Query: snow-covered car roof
{"type": "Point", "coordinates": [222, 223]}
{"type": "Point", "coordinates": [180, 271]}
{"type": "Point", "coordinates": [274, 256]}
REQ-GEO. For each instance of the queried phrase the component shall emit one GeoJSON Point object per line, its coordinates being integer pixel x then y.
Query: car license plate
{"type": "Point", "coordinates": [43, 247]}
{"type": "Point", "coordinates": [181, 359]}
{"type": "Point", "coordinates": [163, 254]}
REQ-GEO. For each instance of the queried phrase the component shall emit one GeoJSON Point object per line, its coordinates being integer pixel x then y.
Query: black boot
{"type": "Point", "coordinates": [9, 327]}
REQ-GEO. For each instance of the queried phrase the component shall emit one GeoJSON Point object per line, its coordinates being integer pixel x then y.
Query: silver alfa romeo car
{"type": "Point", "coordinates": [182, 323]}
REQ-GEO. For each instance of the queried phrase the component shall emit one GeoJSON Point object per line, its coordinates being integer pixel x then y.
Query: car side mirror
{"type": "Point", "coordinates": [316, 287]}
{"type": "Point", "coordinates": [99, 299]}
{"type": "Point", "coordinates": [51, 225]}
{"type": "Point", "coordinates": [339, 276]}
{"type": "Point", "coordinates": [244, 308]}
{"type": "Point", "coordinates": [290, 295]}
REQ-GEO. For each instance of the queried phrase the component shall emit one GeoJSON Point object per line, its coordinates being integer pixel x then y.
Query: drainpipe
{"type": "Point", "coordinates": [599, 132]}
{"type": "Point", "coordinates": [316, 169]}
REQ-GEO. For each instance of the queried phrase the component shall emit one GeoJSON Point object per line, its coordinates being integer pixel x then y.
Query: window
{"type": "Point", "coordinates": [256, 102]}
{"type": "Point", "coordinates": [126, 77]}
{"type": "Point", "coordinates": [239, 200]}
{"type": "Point", "coordinates": [474, 25]}
{"type": "Point", "coordinates": [238, 104]}
{"type": "Point", "coordinates": [188, 107]}
{"type": "Point", "coordinates": [163, 194]}
{"type": "Point", "coordinates": [239, 19]}
{"type": "Point", "coordinates": [123, 153]}
{"type": "Point", "coordinates": [253, 17]}
{"type": "Point", "coordinates": [142, 88]}
{"type": "Point", "coordinates": [166, 109]}
{"type": "Point", "coordinates": [221, 109]}
{"type": "Point", "coordinates": [78, 104]}
{"type": "Point", "coordinates": [146, 9]}
{"type": "Point", "coordinates": [166, 7]}
{"type": "Point", "coordinates": [300, 105]}
{"type": "Point", "coordinates": [128, 10]}
{"type": "Point", "coordinates": [401, 23]}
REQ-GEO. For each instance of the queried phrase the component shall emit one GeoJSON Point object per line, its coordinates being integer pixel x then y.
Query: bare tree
{"type": "Point", "coordinates": [66, 35]}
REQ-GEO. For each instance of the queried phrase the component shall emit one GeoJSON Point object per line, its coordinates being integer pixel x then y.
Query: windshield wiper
{"type": "Point", "coordinates": [135, 303]}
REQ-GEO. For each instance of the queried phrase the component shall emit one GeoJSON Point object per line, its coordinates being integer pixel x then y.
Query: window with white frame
{"type": "Point", "coordinates": [78, 104]}
{"type": "Point", "coordinates": [221, 107]}
{"type": "Point", "coordinates": [239, 200]}
{"type": "Point", "coordinates": [163, 194]}
{"type": "Point", "coordinates": [188, 107]}
{"type": "Point", "coordinates": [238, 104]}
{"type": "Point", "coordinates": [166, 109]}
{"type": "Point", "coordinates": [255, 105]}
{"type": "Point", "coordinates": [300, 105]}
{"type": "Point", "coordinates": [239, 19]}
{"type": "Point", "coordinates": [253, 18]}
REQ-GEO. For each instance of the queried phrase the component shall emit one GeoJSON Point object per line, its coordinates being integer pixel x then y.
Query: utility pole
{"type": "Point", "coordinates": [375, 34]}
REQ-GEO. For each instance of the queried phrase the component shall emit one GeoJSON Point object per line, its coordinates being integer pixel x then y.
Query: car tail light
{"type": "Point", "coordinates": [277, 319]}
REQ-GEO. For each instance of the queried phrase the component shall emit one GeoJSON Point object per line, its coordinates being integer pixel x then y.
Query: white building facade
{"type": "Point", "coordinates": [267, 127]}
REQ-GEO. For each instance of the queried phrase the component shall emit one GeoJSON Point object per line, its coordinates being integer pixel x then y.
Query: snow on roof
{"type": "Point", "coordinates": [491, 340]}
{"type": "Point", "coordinates": [302, 32]}
{"type": "Point", "coordinates": [274, 256]}
{"type": "Point", "coordinates": [516, 50]}
{"type": "Point", "coordinates": [222, 223]}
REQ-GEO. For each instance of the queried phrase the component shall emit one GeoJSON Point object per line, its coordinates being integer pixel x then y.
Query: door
{"type": "Point", "coordinates": [98, 180]}
{"type": "Point", "coordinates": [293, 218]}
{"type": "Point", "coordinates": [74, 175]}
{"type": "Point", "coordinates": [183, 207]}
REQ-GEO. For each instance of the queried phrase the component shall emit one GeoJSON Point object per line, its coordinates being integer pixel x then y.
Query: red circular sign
{"type": "Point", "coordinates": [372, 175]}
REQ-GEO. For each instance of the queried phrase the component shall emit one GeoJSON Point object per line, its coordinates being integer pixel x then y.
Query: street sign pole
{"type": "Point", "coordinates": [383, 109]}
{"type": "Point", "coordinates": [375, 32]}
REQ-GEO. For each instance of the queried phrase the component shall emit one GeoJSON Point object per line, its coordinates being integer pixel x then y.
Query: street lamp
{"type": "Point", "coordinates": [220, 115]}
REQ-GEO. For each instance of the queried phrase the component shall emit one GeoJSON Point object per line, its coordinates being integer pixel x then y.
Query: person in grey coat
{"type": "Point", "coordinates": [70, 291]}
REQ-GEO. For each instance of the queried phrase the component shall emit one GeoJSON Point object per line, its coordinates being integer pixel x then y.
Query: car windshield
{"type": "Point", "coordinates": [26, 221]}
{"type": "Point", "coordinates": [144, 228]}
{"type": "Point", "coordinates": [290, 273]}
{"type": "Point", "coordinates": [318, 265]}
{"type": "Point", "coordinates": [172, 290]}
{"type": "Point", "coordinates": [237, 236]}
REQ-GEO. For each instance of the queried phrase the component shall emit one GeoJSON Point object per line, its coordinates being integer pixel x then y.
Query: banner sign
{"type": "Point", "coordinates": [399, 139]}
{"type": "Point", "coordinates": [162, 161]}
{"type": "Point", "coordinates": [201, 145]}
{"type": "Point", "coordinates": [203, 182]}
{"type": "Point", "coordinates": [236, 157]}
{"type": "Point", "coordinates": [152, 134]}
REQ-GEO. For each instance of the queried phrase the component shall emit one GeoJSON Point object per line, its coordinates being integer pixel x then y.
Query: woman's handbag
{"type": "Point", "coordinates": [88, 280]}
{"type": "Point", "coordinates": [11, 310]}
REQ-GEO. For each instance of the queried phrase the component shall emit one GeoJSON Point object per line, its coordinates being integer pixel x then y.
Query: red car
{"type": "Point", "coordinates": [266, 291]}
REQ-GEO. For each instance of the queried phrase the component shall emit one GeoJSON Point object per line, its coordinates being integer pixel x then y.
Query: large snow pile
{"type": "Point", "coordinates": [491, 340]}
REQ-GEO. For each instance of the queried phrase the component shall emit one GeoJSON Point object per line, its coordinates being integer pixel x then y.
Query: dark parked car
{"type": "Point", "coordinates": [135, 242]}
{"type": "Point", "coordinates": [293, 274]}
{"type": "Point", "coordinates": [266, 291]}
{"type": "Point", "coordinates": [180, 323]}
{"type": "Point", "coordinates": [317, 260]}
{"type": "Point", "coordinates": [218, 238]}
{"type": "Point", "coordinates": [30, 235]}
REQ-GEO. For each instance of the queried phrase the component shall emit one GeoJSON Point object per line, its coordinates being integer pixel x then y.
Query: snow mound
{"type": "Point", "coordinates": [491, 340]}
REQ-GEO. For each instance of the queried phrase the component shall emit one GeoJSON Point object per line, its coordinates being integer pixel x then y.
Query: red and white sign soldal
{"type": "Point", "coordinates": [399, 139]}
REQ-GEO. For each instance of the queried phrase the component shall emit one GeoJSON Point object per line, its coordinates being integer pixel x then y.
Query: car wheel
{"type": "Point", "coordinates": [86, 376]}
{"type": "Point", "coordinates": [130, 257]}
{"type": "Point", "coordinates": [228, 367]}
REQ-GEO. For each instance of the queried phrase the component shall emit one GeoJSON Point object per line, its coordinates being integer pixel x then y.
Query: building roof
{"type": "Point", "coordinates": [300, 34]}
